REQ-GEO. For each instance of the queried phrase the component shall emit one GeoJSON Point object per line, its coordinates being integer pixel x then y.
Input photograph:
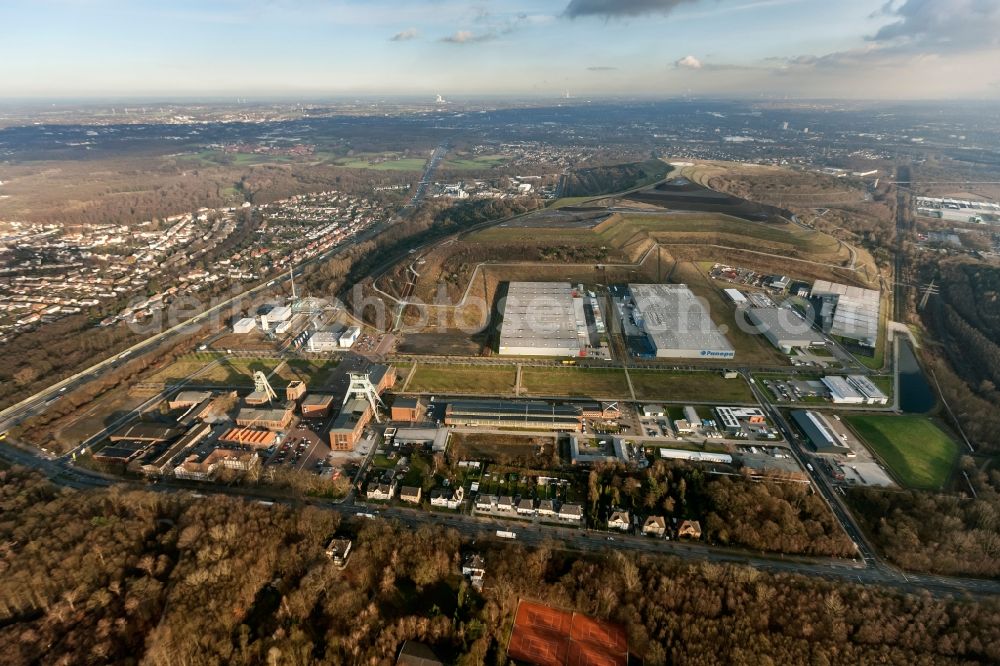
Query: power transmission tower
{"type": "Point", "coordinates": [929, 290]}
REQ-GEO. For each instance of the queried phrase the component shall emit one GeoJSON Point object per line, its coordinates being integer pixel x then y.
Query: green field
{"type": "Point", "coordinates": [575, 382]}
{"type": "Point", "coordinates": [657, 385]}
{"type": "Point", "coordinates": [919, 454]}
{"type": "Point", "coordinates": [886, 384]}
{"type": "Point", "coordinates": [474, 163]}
{"type": "Point", "coordinates": [382, 162]}
{"type": "Point", "coordinates": [484, 379]}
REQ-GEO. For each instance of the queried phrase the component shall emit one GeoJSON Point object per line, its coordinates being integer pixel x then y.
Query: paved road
{"type": "Point", "coordinates": [427, 176]}
{"type": "Point", "coordinates": [869, 571]}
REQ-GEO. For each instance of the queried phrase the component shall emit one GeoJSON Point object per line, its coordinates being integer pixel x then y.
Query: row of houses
{"type": "Point", "coordinates": [654, 526]}
{"type": "Point", "coordinates": [528, 508]}
{"type": "Point", "coordinates": [386, 488]}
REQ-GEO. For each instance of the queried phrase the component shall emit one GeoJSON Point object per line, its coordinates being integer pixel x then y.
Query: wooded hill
{"type": "Point", "coordinates": [965, 317]}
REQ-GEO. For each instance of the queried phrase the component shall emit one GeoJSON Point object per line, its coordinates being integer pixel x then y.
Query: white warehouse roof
{"type": "Point", "coordinates": [677, 323]}
{"type": "Point", "coordinates": [542, 319]}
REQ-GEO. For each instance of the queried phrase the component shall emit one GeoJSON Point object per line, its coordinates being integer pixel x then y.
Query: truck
{"type": "Point", "coordinates": [504, 534]}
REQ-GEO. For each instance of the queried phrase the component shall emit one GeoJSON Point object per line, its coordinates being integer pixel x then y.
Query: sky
{"type": "Point", "coordinates": [821, 49]}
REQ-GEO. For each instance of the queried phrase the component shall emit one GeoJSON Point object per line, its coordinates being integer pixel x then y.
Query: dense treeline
{"type": "Point", "coordinates": [966, 317]}
{"type": "Point", "coordinates": [969, 313]}
{"type": "Point", "coordinates": [135, 577]}
{"type": "Point", "coordinates": [734, 510]}
{"type": "Point", "coordinates": [940, 533]}
{"type": "Point", "coordinates": [614, 178]}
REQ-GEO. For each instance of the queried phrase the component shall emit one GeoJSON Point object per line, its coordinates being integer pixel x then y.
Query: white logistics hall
{"type": "Point", "coordinates": [677, 323]}
{"type": "Point", "coordinates": [543, 319]}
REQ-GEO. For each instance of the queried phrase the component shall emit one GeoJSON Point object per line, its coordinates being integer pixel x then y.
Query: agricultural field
{"type": "Point", "coordinates": [474, 162]}
{"type": "Point", "coordinates": [919, 453]}
{"type": "Point", "coordinates": [463, 379]}
{"type": "Point", "coordinates": [377, 162]}
{"type": "Point", "coordinates": [575, 382]}
{"type": "Point", "coordinates": [663, 386]}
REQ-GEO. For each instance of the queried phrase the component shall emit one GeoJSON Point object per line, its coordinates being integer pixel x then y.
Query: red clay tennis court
{"type": "Point", "coordinates": [547, 636]}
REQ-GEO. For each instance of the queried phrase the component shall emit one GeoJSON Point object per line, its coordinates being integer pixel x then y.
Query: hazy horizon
{"type": "Point", "coordinates": [749, 49]}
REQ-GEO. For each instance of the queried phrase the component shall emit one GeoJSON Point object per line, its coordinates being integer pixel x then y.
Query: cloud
{"type": "Point", "coordinates": [920, 32]}
{"type": "Point", "coordinates": [405, 35]}
{"type": "Point", "coordinates": [602, 68]}
{"type": "Point", "coordinates": [953, 25]}
{"type": "Point", "coordinates": [688, 62]}
{"type": "Point", "coordinates": [620, 8]}
{"type": "Point", "coordinates": [468, 37]}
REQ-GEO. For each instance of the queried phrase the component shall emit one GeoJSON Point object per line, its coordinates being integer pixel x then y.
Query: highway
{"type": "Point", "coordinates": [427, 176]}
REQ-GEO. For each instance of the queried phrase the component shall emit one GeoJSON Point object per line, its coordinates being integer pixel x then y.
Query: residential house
{"type": "Point", "coordinates": [655, 526]}
{"type": "Point", "coordinates": [474, 567]}
{"type": "Point", "coordinates": [446, 498]}
{"type": "Point", "coordinates": [417, 654]}
{"type": "Point", "coordinates": [505, 503]}
{"type": "Point", "coordinates": [619, 520]}
{"type": "Point", "coordinates": [690, 529]}
{"type": "Point", "coordinates": [571, 512]}
{"type": "Point", "coordinates": [410, 494]}
{"type": "Point", "coordinates": [546, 509]}
{"type": "Point", "coordinates": [339, 550]}
{"type": "Point", "coordinates": [486, 502]}
{"type": "Point", "coordinates": [381, 492]}
{"type": "Point", "coordinates": [526, 507]}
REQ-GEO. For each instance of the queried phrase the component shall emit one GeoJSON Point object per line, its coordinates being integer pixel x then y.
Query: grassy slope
{"type": "Point", "coordinates": [919, 453]}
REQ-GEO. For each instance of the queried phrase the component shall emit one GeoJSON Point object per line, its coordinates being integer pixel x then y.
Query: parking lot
{"type": "Point", "coordinates": [301, 449]}
{"type": "Point", "coordinates": [797, 390]}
